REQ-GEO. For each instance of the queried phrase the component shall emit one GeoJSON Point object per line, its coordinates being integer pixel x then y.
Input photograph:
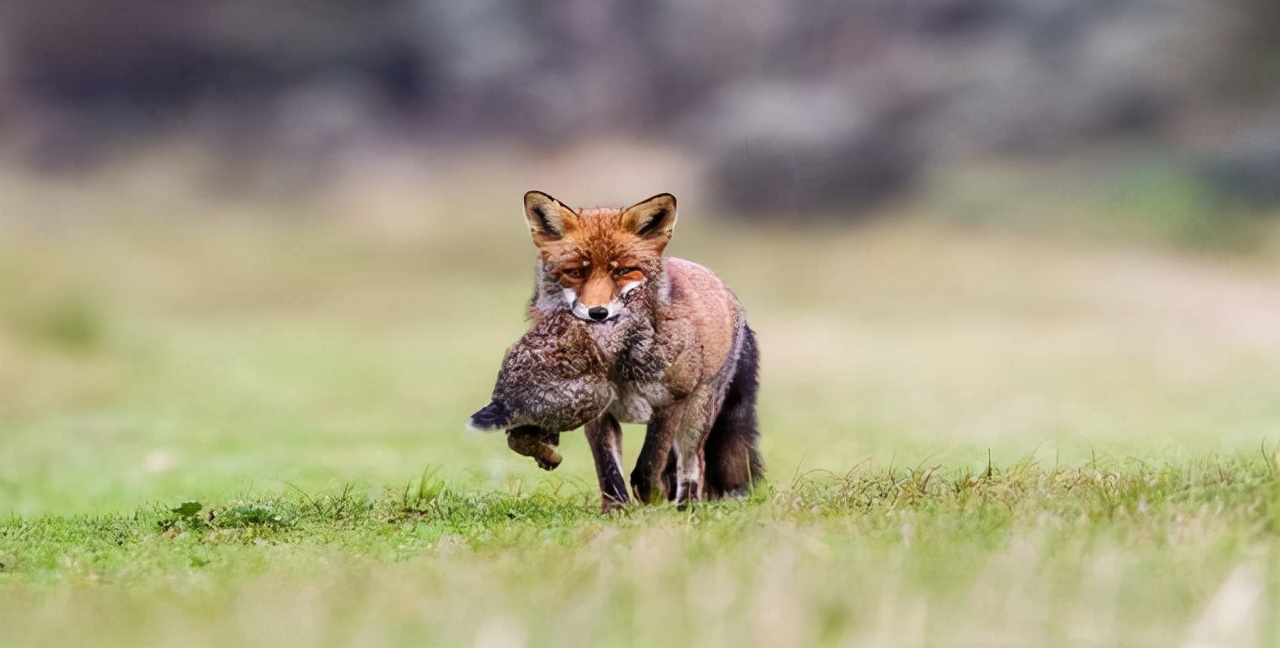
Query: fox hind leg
{"type": "Point", "coordinates": [669, 476]}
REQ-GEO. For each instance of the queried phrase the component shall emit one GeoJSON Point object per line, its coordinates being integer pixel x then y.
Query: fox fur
{"type": "Point", "coordinates": [675, 341]}
{"type": "Point", "coordinates": [553, 379]}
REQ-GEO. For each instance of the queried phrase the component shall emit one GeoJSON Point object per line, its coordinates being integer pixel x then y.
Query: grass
{"type": "Point", "coordinates": [1117, 554]}
{"type": "Point", "coordinates": [214, 427]}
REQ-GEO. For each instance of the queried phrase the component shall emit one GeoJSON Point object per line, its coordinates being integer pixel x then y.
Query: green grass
{"type": "Point", "coordinates": [1113, 552]}
{"type": "Point", "coordinates": [975, 434]}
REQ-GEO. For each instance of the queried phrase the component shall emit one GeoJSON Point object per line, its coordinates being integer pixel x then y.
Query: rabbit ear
{"type": "Point", "coordinates": [490, 418]}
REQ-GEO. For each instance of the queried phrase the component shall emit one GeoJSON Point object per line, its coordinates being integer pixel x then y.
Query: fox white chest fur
{"type": "Point", "coordinates": [637, 370]}
{"type": "Point", "coordinates": [637, 401]}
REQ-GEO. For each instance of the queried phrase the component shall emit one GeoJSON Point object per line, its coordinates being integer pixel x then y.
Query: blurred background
{"type": "Point", "coordinates": [255, 244]}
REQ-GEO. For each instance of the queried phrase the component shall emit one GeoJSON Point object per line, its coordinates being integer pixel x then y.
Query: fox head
{"type": "Point", "coordinates": [600, 257]}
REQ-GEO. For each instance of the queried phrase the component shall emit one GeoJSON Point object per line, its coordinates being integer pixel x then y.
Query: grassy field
{"type": "Point", "coordinates": [240, 422]}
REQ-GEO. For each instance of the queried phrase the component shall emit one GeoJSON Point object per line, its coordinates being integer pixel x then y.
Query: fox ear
{"type": "Point", "coordinates": [547, 217]}
{"type": "Point", "coordinates": [652, 218]}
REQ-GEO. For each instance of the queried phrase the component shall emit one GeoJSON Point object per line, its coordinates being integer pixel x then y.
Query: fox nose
{"type": "Point", "coordinates": [598, 313]}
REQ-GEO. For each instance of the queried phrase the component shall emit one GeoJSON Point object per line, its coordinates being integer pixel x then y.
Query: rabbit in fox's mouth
{"type": "Point", "coordinates": [553, 379]}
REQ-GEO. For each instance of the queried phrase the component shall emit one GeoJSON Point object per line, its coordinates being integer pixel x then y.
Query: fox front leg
{"type": "Point", "coordinates": [692, 421]}
{"type": "Point", "coordinates": [604, 436]}
{"type": "Point", "coordinates": [690, 467]}
{"type": "Point", "coordinates": [649, 478]}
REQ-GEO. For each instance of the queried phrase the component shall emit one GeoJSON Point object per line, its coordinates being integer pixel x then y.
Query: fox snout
{"type": "Point", "coordinates": [599, 313]}
{"type": "Point", "coordinates": [608, 311]}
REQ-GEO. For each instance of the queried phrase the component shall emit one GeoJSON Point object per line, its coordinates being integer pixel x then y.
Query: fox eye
{"type": "Point", "coordinates": [573, 273]}
{"type": "Point", "coordinates": [622, 272]}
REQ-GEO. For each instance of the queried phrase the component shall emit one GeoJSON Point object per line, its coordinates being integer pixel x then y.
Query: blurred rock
{"type": "Point", "coordinates": [779, 147]}
{"type": "Point", "coordinates": [1247, 170]}
{"type": "Point", "coordinates": [770, 176]}
{"type": "Point", "coordinates": [1060, 74]}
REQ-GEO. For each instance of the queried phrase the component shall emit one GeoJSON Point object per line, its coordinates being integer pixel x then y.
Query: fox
{"type": "Point", "coordinates": [553, 379]}
{"type": "Point", "coordinates": [680, 356]}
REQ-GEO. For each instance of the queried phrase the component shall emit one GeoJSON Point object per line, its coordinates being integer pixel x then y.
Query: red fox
{"type": "Point", "coordinates": [679, 353]}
